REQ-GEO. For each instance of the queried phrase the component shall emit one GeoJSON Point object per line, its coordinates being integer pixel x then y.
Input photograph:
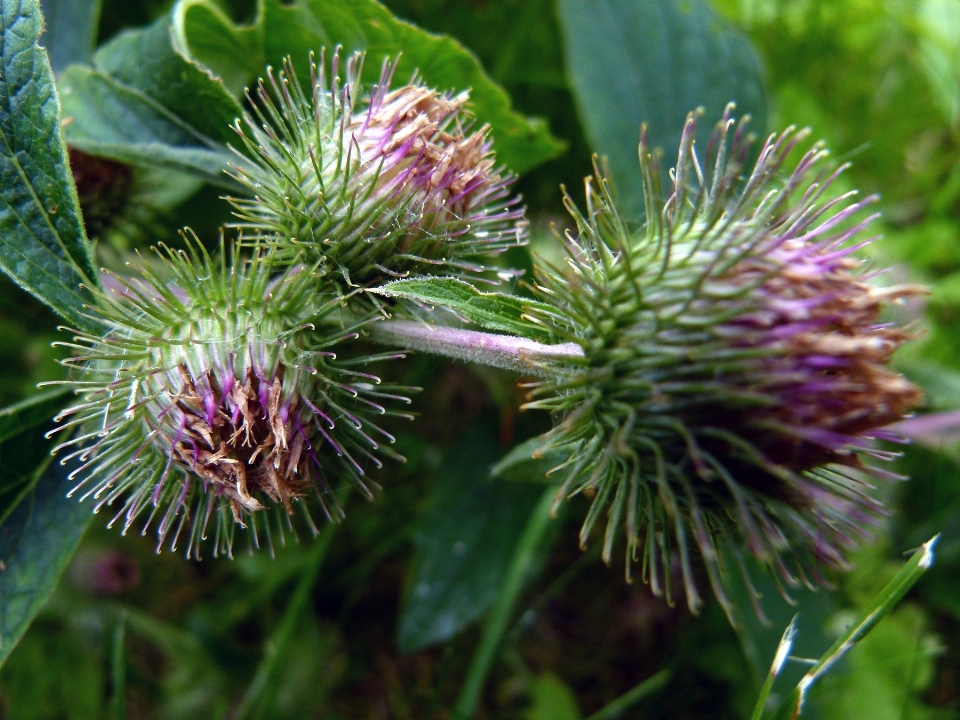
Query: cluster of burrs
{"type": "Point", "coordinates": [729, 387]}
{"type": "Point", "coordinates": [223, 391]}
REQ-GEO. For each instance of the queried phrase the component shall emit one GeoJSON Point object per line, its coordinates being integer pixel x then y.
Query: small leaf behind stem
{"type": "Point", "coordinates": [491, 311]}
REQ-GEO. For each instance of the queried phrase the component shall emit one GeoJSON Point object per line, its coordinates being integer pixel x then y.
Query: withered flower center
{"type": "Point", "coordinates": [245, 439]}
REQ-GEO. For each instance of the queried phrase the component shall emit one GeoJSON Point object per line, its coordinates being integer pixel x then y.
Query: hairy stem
{"type": "Point", "coordinates": [502, 351]}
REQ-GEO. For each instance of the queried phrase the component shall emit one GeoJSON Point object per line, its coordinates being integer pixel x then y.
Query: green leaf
{"type": "Point", "coordinates": [142, 103]}
{"type": "Point", "coordinates": [70, 31]}
{"type": "Point", "coordinates": [146, 61]}
{"type": "Point", "coordinates": [518, 42]}
{"type": "Point", "coordinates": [204, 34]}
{"type": "Point", "coordinates": [24, 446]}
{"type": "Point", "coordinates": [295, 29]}
{"type": "Point", "coordinates": [653, 61]}
{"type": "Point", "coordinates": [24, 457]}
{"type": "Point", "coordinates": [493, 311]}
{"type": "Point", "coordinates": [43, 247]}
{"type": "Point", "coordinates": [36, 544]}
{"type": "Point", "coordinates": [113, 121]}
{"type": "Point", "coordinates": [32, 412]}
{"type": "Point", "coordinates": [552, 700]}
{"type": "Point", "coordinates": [528, 462]}
{"type": "Point", "coordinates": [463, 544]}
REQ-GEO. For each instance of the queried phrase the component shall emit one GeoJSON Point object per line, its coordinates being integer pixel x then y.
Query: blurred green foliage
{"type": "Point", "coordinates": [880, 81]}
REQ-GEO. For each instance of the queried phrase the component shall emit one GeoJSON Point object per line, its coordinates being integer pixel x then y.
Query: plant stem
{"type": "Point", "coordinates": [117, 709]}
{"type": "Point", "coordinates": [258, 693]}
{"type": "Point", "coordinates": [632, 697]}
{"type": "Point", "coordinates": [496, 625]}
{"type": "Point", "coordinates": [502, 351]}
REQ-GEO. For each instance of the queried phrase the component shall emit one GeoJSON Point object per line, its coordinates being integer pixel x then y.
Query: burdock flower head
{"type": "Point", "coordinates": [735, 376]}
{"type": "Point", "coordinates": [216, 394]}
{"type": "Point", "coordinates": [375, 184]}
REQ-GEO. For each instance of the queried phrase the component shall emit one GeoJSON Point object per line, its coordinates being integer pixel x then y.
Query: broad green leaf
{"type": "Point", "coordinates": [653, 61]}
{"type": "Point", "coordinates": [203, 33]}
{"type": "Point", "coordinates": [24, 447]}
{"type": "Point", "coordinates": [70, 31]}
{"type": "Point", "coordinates": [43, 247]}
{"type": "Point", "coordinates": [36, 544]}
{"type": "Point", "coordinates": [518, 41]}
{"type": "Point", "coordinates": [145, 60]}
{"type": "Point", "coordinates": [463, 543]}
{"type": "Point", "coordinates": [295, 29]}
{"type": "Point", "coordinates": [493, 311]}
{"type": "Point", "coordinates": [142, 103]}
{"type": "Point", "coordinates": [110, 120]}
{"type": "Point", "coordinates": [22, 459]}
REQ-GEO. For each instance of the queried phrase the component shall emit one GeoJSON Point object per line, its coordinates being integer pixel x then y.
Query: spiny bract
{"type": "Point", "coordinates": [374, 185]}
{"type": "Point", "coordinates": [735, 372]}
{"type": "Point", "coordinates": [214, 394]}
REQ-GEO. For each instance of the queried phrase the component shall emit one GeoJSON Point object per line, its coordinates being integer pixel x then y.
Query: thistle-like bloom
{"type": "Point", "coordinates": [735, 374]}
{"type": "Point", "coordinates": [376, 185]}
{"type": "Point", "coordinates": [215, 394]}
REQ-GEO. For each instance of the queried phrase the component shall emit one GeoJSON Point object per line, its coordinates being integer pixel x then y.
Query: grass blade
{"type": "Point", "coordinates": [876, 611]}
